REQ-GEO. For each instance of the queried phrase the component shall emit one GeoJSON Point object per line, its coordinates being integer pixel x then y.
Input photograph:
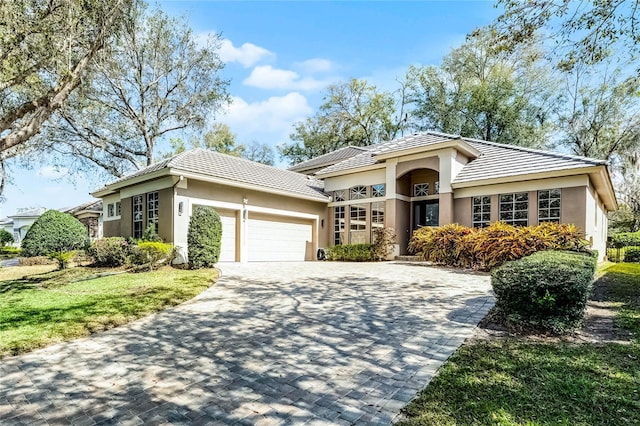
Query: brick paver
{"type": "Point", "coordinates": [291, 343]}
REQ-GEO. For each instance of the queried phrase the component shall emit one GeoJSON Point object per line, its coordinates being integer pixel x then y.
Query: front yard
{"type": "Point", "coordinates": [39, 306]}
{"type": "Point", "coordinates": [539, 381]}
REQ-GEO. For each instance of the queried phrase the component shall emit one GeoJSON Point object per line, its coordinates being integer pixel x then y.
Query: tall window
{"type": "Point", "coordinates": [138, 216]}
{"type": "Point", "coordinates": [358, 192]}
{"type": "Point", "coordinates": [377, 217]}
{"type": "Point", "coordinates": [110, 210]}
{"type": "Point", "coordinates": [481, 212]}
{"type": "Point", "coordinates": [549, 205]}
{"type": "Point", "coordinates": [152, 209]}
{"type": "Point", "coordinates": [420, 189]}
{"type": "Point", "coordinates": [514, 208]}
{"type": "Point", "coordinates": [378, 190]}
{"type": "Point", "coordinates": [118, 208]}
{"type": "Point", "coordinates": [358, 224]}
{"type": "Point", "coordinates": [338, 225]}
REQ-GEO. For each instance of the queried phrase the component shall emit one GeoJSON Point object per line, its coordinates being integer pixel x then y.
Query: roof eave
{"type": "Point", "coordinates": [206, 178]}
{"type": "Point", "coordinates": [114, 187]}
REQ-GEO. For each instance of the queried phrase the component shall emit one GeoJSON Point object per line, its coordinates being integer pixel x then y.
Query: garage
{"type": "Point", "coordinates": [273, 238]}
{"type": "Point", "coordinates": [228, 242]}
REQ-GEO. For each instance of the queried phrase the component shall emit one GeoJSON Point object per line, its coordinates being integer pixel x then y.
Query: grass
{"type": "Point", "coordinates": [39, 307]}
{"type": "Point", "coordinates": [519, 382]}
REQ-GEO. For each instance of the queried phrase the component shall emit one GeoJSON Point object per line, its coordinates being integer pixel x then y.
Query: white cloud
{"type": "Point", "coordinates": [51, 172]}
{"type": "Point", "coordinates": [248, 54]}
{"type": "Point", "coordinates": [267, 77]}
{"type": "Point", "coordinates": [271, 118]}
{"type": "Point", "coordinates": [316, 65]}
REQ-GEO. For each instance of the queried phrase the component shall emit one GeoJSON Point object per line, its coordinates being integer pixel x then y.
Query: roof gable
{"type": "Point", "coordinates": [329, 158]}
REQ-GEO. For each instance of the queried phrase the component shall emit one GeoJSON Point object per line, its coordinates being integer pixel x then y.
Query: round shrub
{"type": "Point", "coordinates": [6, 237]}
{"type": "Point", "coordinates": [150, 253]}
{"type": "Point", "coordinates": [632, 254]}
{"type": "Point", "coordinates": [351, 253]}
{"type": "Point", "coordinates": [53, 232]}
{"type": "Point", "coordinates": [111, 251]}
{"type": "Point", "coordinates": [547, 291]}
{"type": "Point", "coordinates": [204, 237]}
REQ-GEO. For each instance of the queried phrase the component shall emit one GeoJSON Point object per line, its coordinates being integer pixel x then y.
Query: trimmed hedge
{"type": "Point", "coordinates": [625, 239]}
{"type": "Point", "coordinates": [632, 254]}
{"type": "Point", "coordinates": [52, 232]}
{"type": "Point", "coordinates": [151, 253]}
{"type": "Point", "coordinates": [547, 291]}
{"type": "Point", "coordinates": [351, 253]}
{"type": "Point", "coordinates": [204, 237]}
{"type": "Point", "coordinates": [486, 248]}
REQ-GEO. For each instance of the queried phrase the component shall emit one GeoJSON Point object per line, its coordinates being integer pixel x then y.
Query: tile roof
{"type": "Point", "coordinates": [329, 158]}
{"type": "Point", "coordinates": [500, 160]}
{"type": "Point", "coordinates": [496, 160]}
{"type": "Point", "coordinates": [234, 169]}
{"type": "Point", "coordinates": [93, 205]}
{"type": "Point", "coordinates": [30, 212]}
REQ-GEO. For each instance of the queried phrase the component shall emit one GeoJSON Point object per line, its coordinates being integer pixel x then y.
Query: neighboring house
{"type": "Point", "coordinates": [22, 221]}
{"type": "Point", "coordinates": [90, 214]}
{"type": "Point", "coordinates": [426, 179]}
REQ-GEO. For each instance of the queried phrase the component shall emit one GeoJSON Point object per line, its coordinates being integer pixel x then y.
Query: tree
{"type": "Point", "coordinates": [585, 32]}
{"type": "Point", "coordinates": [353, 113]}
{"type": "Point", "coordinates": [6, 238]}
{"type": "Point", "coordinates": [259, 152]}
{"type": "Point", "coordinates": [155, 80]}
{"type": "Point", "coordinates": [54, 232]}
{"type": "Point", "coordinates": [45, 50]}
{"type": "Point", "coordinates": [220, 139]}
{"type": "Point", "coordinates": [484, 93]}
{"type": "Point", "coordinates": [601, 120]}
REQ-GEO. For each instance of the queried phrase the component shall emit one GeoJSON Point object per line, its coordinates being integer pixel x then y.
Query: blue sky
{"type": "Point", "coordinates": [279, 57]}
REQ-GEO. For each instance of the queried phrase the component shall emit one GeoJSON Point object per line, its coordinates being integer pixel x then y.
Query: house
{"type": "Point", "coordinates": [90, 215]}
{"type": "Point", "coordinates": [22, 221]}
{"type": "Point", "coordinates": [425, 179]}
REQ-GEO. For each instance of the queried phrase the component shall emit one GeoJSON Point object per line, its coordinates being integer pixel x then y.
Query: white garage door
{"type": "Point", "coordinates": [278, 239]}
{"type": "Point", "coordinates": [228, 244]}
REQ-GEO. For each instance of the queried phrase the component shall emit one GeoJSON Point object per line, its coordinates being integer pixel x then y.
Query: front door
{"type": "Point", "coordinates": [426, 213]}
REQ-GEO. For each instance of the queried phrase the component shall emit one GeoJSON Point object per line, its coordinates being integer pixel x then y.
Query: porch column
{"type": "Point", "coordinates": [390, 217]}
{"type": "Point", "coordinates": [448, 169]}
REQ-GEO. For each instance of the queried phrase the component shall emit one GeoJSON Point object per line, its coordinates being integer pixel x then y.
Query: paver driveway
{"type": "Point", "coordinates": [324, 343]}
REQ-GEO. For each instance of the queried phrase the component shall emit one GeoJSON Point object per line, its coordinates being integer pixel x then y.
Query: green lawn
{"type": "Point", "coordinates": [517, 382]}
{"type": "Point", "coordinates": [39, 307]}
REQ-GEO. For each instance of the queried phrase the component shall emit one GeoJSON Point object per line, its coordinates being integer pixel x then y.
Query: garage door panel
{"type": "Point", "coordinates": [228, 242]}
{"type": "Point", "coordinates": [277, 239]}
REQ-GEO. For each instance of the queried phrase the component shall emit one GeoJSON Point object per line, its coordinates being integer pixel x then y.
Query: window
{"type": "Point", "coordinates": [481, 215]}
{"type": "Point", "coordinates": [338, 225]}
{"type": "Point", "coordinates": [436, 189]}
{"type": "Point", "coordinates": [118, 208]}
{"type": "Point", "coordinates": [110, 210]}
{"type": "Point", "coordinates": [339, 195]}
{"type": "Point", "coordinates": [358, 192]}
{"type": "Point", "coordinates": [378, 190]}
{"type": "Point", "coordinates": [420, 189]}
{"type": "Point", "coordinates": [514, 208]}
{"type": "Point", "coordinates": [549, 205]}
{"type": "Point", "coordinates": [137, 216]}
{"type": "Point", "coordinates": [358, 224]}
{"type": "Point", "coordinates": [152, 209]}
{"type": "Point", "coordinates": [377, 217]}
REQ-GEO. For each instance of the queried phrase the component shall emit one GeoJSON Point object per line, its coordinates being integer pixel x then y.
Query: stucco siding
{"type": "Point", "coordinates": [111, 228]}
{"type": "Point", "coordinates": [462, 211]}
{"type": "Point", "coordinates": [371, 177]}
{"type": "Point", "coordinates": [165, 214]}
{"type": "Point", "coordinates": [572, 208]}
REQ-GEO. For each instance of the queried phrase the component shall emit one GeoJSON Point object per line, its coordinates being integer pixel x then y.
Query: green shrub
{"type": "Point", "coordinates": [383, 241]}
{"type": "Point", "coordinates": [204, 237]}
{"type": "Point", "coordinates": [111, 251]}
{"type": "Point", "coordinates": [10, 250]}
{"type": "Point", "coordinates": [5, 237]}
{"type": "Point", "coordinates": [151, 253]}
{"type": "Point", "coordinates": [632, 255]}
{"type": "Point", "coordinates": [150, 234]}
{"type": "Point", "coordinates": [547, 291]}
{"type": "Point", "coordinates": [486, 248]}
{"type": "Point", "coordinates": [62, 257]}
{"type": "Point", "coordinates": [625, 239]}
{"type": "Point", "coordinates": [54, 231]}
{"type": "Point", "coordinates": [351, 253]}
